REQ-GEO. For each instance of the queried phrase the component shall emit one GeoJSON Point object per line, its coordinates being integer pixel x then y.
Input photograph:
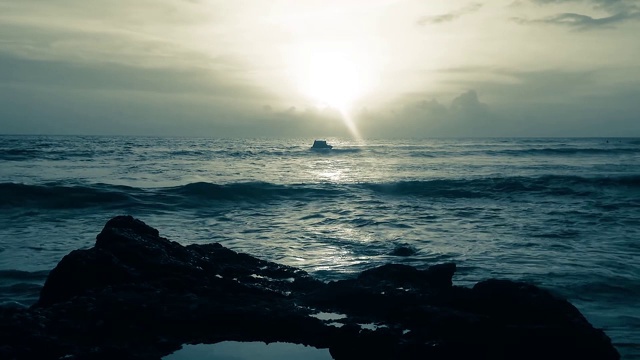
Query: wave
{"type": "Point", "coordinates": [61, 153]}
{"type": "Point", "coordinates": [48, 152]}
{"type": "Point", "coordinates": [18, 154]}
{"type": "Point", "coordinates": [249, 190]}
{"type": "Point", "coordinates": [564, 151]}
{"type": "Point", "coordinates": [490, 187]}
{"type": "Point", "coordinates": [20, 288]}
{"type": "Point", "coordinates": [21, 154]}
{"type": "Point", "coordinates": [622, 288]}
{"type": "Point", "coordinates": [343, 151]}
{"type": "Point", "coordinates": [20, 275]}
{"type": "Point", "coordinates": [54, 195]}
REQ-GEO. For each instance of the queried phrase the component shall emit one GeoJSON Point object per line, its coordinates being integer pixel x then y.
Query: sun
{"type": "Point", "coordinates": [332, 76]}
{"type": "Point", "coordinates": [335, 75]}
{"type": "Point", "coordinates": [334, 80]}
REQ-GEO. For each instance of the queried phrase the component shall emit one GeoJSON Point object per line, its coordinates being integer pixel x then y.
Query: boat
{"type": "Point", "coordinates": [321, 145]}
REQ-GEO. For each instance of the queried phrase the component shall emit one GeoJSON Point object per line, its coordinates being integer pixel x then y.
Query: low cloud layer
{"type": "Point", "coordinates": [451, 16]}
{"type": "Point", "coordinates": [464, 115]}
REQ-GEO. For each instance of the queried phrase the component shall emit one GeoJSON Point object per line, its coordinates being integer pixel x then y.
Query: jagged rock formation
{"type": "Point", "coordinates": [136, 295]}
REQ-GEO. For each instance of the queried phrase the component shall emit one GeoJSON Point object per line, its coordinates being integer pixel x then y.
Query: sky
{"type": "Point", "coordinates": [320, 68]}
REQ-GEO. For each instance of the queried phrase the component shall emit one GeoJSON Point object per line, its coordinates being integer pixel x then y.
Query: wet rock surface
{"type": "Point", "coordinates": [136, 295]}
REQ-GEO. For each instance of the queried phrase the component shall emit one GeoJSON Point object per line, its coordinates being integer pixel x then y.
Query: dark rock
{"type": "Point", "coordinates": [403, 250]}
{"type": "Point", "coordinates": [136, 295]}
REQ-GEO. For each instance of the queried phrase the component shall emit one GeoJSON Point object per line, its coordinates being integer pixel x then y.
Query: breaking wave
{"type": "Point", "coordinates": [55, 195]}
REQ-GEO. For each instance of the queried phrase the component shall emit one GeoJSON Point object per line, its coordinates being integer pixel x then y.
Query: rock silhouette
{"type": "Point", "coordinates": [136, 295]}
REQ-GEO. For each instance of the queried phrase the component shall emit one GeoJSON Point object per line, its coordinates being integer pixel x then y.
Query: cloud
{"type": "Point", "coordinates": [102, 14]}
{"type": "Point", "coordinates": [523, 86]}
{"type": "Point", "coordinates": [555, 102]}
{"type": "Point", "coordinates": [607, 5]}
{"type": "Point", "coordinates": [57, 97]}
{"type": "Point", "coordinates": [618, 11]}
{"type": "Point", "coordinates": [412, 117]}
{"type": "Point", "coordinates": [581, 22]}
{"type": "Point", "coordinates": [468, 103]}
{"type": "Point", "coordinates": [89, 40]}
{"type": "Point", "coordinates": [522, 102]}
{"type": "Point", "coordinates": [449, 17]}
{"type": "Point", "coordinates": [119, 78]}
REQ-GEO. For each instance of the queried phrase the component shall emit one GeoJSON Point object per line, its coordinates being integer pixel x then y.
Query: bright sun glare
{"type": "Point", "coordinates": [335, 75]}
{"type": "Point", "coordinates": [332, 77]}
{"type": "Point", "coordinates": [334, 80]}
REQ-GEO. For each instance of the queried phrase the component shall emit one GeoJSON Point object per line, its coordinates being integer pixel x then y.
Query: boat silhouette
{"type": "Point", "coordinates": [321, 145]}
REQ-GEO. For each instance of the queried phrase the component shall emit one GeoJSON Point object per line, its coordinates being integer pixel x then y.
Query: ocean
{"type": "Point", "coordinates": [563, 214]}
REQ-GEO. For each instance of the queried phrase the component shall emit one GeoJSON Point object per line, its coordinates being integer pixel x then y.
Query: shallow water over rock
{"type": "Point", "coordinates": [235, 350]}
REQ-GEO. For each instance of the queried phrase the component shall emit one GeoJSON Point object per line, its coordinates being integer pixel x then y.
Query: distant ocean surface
{"type": "Point", "coordinates": [561, 213]}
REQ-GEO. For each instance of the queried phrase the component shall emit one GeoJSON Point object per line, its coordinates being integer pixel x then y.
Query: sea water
{"type": "Point", "coordinates": [560, 213]}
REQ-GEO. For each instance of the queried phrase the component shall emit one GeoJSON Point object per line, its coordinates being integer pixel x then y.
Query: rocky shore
{"type": "Point", "coordinates": [136, 295]}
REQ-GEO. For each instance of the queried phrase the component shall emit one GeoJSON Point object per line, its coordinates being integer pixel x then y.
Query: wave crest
{"type": "Point", "coordinates": [198, 194]}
